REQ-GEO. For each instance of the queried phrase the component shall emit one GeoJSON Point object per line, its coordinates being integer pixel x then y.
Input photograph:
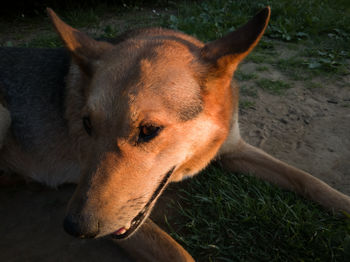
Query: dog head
{"type": "Point", "coordinates": [151, 108]}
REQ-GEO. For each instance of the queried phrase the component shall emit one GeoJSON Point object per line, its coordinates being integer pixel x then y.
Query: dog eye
{"type": "Point", "coordinates": [148, 132]}
{"type": "Point", "coordinates": [87, 125]}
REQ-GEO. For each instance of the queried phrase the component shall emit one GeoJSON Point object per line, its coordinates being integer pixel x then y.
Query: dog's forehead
{"type": "Point", "coordinates": [160, 76]}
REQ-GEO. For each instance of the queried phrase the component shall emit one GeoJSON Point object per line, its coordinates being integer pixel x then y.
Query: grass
{"type": "Point", "coordinates": [262, 68]}
{"type": "Point", "coordinates": [294, 67]}
{"type": "Point", "coordinates": [248, 91]}
{"type": "Point", "coordinates": [321, 25]}
{"type": "Point", "coordinates": [228, 217]}
{"type": "Point", "coordinates": [46, 40]}
{"type": "Point", "coordinates": [313, 85]}
{"type": "Point", "coordinates": [275, 87]}
{"type": "Point", "coordinates": [241, 76]}
{"type": "Point", "coordinates": [259, 58]}
{"type": "Point", "coordinates": [246, 104]}
{"type": "Point", "coordinates": [316, 62]}
{"type": "Point", "coordinates": [290, 21]}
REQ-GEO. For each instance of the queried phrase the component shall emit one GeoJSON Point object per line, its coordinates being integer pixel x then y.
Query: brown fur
{"type": "Point", "coordinates": [164, 79]}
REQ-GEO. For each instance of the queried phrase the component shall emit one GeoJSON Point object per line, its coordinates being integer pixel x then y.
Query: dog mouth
{"type": "Point", "coordinates": [127, 231]}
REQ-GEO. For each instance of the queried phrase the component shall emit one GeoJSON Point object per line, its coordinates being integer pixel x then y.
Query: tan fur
{"type": "Point", "coordinates": [158, 78]}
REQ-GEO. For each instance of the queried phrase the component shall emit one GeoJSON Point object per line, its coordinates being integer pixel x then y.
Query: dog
{"type": "Point", "coordinates": [123, 119]}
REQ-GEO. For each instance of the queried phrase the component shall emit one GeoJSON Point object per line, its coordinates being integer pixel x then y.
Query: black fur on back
{"type": "Point", "coordinates": [32, 82]}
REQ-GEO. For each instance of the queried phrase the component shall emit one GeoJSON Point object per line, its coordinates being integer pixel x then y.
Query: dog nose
{"type": "Point", "coordinates": [72, 226]}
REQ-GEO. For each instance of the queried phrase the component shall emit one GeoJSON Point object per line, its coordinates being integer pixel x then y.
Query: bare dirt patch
{"type": "Point", "coordinates": [306, 127]}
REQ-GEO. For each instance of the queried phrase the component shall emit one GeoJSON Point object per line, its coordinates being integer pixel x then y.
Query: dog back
{"type": "Point", "coordinates": [32, 83]}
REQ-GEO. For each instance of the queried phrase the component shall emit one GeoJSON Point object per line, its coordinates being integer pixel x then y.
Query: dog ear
{"type": "Point", "coordinates": [84, 49]}
{"type": "Point", "coordinates": [226, 53]}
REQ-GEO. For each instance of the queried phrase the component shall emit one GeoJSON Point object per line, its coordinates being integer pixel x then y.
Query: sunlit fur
{"type": "Point", "coordinates": [118, 175]}
{"type": "Point", "coordinates": [153, 77]}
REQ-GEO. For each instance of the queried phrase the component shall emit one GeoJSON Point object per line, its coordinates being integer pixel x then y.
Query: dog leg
{"type": "Point", "coordinates": [246, 158]}
{"type": "Point", "coordinates": [150, 243]}
{"type": "Point", "coordinates": [5, 122]}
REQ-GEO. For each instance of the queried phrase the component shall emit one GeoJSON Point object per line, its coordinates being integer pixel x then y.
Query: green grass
{"type": "Point", "coordinates": [258, 58]}
{"type": "Point", "coordinates": [262, 68]}
{"type": "Point", "coordinates": [248, 91]}
{"type": "Point", "coordinates": [228, 217]}
{"type": "Point", "coordinates": [301, 68]}
{"type": "Point", "coordinates": [246, 104]}
{"type": "Point", "coordinates": [83, 17]}
{"type": "Point", "coordinates": [241, 76]}
{"type": "Point", "coordinates": [327, 60]}
{"type": "Point", "coordinates": [275, 87]}
{"type": "Point", "coordinates": [290, 20]}
{"type": "Point", "coordinates": [313, 85]}
{"type": "Point", "coordinates": [322, 25]}
{"type": "Point", "coordinates": [46, 40]}
{"type": "Point", "coordinates": [294, 68]}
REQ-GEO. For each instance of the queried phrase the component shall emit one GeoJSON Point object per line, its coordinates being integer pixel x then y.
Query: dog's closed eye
{"type": "Point", "coordinates": [87, 125]}
{"type": "Point", "coordinates": [148, 132]}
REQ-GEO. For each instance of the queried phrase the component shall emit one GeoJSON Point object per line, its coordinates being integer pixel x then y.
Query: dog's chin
{"type": "Point", "coordinates": [127, 231]}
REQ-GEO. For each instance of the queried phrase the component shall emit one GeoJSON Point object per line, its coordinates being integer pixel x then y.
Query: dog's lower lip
{"type": "Point", "coordinates": [124, 232]}
{"type": "Point", "coordinates": [136, 222]}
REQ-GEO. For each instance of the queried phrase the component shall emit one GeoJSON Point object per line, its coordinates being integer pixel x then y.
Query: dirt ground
{"type": "Point", "coordinates": [308, 128]}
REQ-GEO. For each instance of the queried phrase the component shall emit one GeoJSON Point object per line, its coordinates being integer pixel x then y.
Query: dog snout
{"type": "Point", "coordinates": [87, 228]}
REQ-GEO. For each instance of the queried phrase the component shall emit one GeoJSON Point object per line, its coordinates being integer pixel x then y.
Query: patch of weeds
{"type": "Point", "coordinates": [44, 41]}
{"type": "Point", "coordinates": [292, 62]}
{"type": "Point", "coordinates": [321, 24]}
{"type": "Point", "coordinates": [232, 217]}
{"type": "Point", "coordinates": [258, 58]}
{"type": "Point", "coordinates": [293, 21]}
{"type": "Point", "coordinates": [290, 20]}
{"type": "Point", "coordinates": [82, 17]}
{"type": "Point", "coordinates": [327, 61]}
{"type": "Point", "coordinates": [314, 61]}
{"type": "Point", "coordinates": [144, 19]}
{"type": "Point", "coordinates": [292, 46]}
{"type": "Point", "coordinates": [8, 44]}
{"type": "Point", "coordinates": [276, 87]}
{"type": "Point", "coordinates": [266, 47]}
{"type": "Point", "coordinates": [262, 68]}
{"type": "Point", "coordinates": [109, 32]}
{"type": "Point", "coordinates": [206, 20]}
{"type": "Point", "coordinates": [249, 91]}
{"type": "Point", "coordinates": [293, 67]}
{"type": "Point", "coordinates": [312, 85]}
{"type": "Point", "coordinates": [266, 44]}
{"type": "Point", "coordinates": [245, 104]}
{"type": "Point", "coordinates": [239, 75]}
